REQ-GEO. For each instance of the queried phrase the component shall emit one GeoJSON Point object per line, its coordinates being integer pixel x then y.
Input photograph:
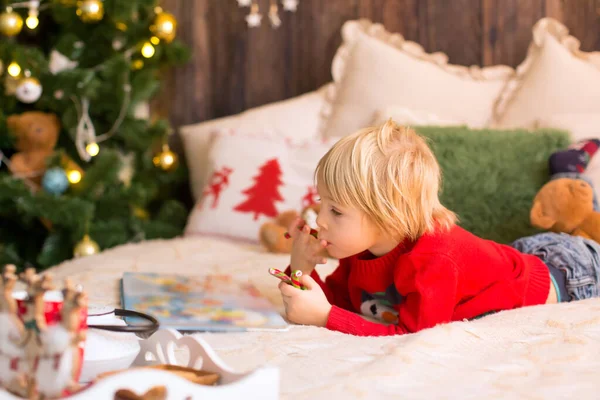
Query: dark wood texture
{"type": "Point", "coordinates": [234, 67]}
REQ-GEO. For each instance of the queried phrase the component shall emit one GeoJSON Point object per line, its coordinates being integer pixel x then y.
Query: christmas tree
{"type": "Point", "coordinates": [82, 166]}
{"type": "Point", "coordinates": [263, 195]}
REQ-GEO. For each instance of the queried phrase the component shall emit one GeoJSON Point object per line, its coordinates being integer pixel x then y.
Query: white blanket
{"type": "Point", "coordinates": [550, 351]}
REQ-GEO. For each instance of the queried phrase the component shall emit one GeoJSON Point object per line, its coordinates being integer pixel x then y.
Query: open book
{"type": "Point", "coordinates": [217, 303]}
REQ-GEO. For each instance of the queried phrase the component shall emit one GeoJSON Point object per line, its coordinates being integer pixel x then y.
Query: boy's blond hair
{"type": "Point", "coordinates": [390, 173]}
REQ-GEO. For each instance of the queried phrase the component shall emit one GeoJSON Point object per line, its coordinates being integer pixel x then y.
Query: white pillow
{"type": "Point", "coordinates": [374, 68]}
{"type": "Point", "coordinates": [297, 118]}
{"type": "Point", "coordinates": [408, 117]}
{"type": "Point", "coordinates": [252, 180]}
{"type": "Point", "coordinates": [555, 77]}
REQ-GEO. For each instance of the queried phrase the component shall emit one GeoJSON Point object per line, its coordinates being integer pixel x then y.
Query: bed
{"type": "Point", "coordinates": [549, 351]}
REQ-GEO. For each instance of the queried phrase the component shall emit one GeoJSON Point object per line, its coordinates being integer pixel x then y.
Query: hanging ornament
{"type": "Point", "coordinates": [59, 63]}
{"type": "Point", "coordinates": [120, 25]}
{"type": "Point", "coordinates": [11, 23]}
{"type": "Point", "coordinates": [85, 136]}
{"type": "Point", "coordinates": [164, 26]}
{"type": "Point", "coordinates": [290, 5]}
{"type": "Point", "coordinates": [274, 15]}
{"type": "Point", "coordinates": [137, 64]}
{"type": "Point", "coordinates": [55, 181]}
{"type": "Point", "coordinates": [29, 89]}
{"type": "Point", "coordinates": [254, 18]}
{"type": "Point", "coordinates": [32, 20]}
{"type": "Point", "coordinates": [118, 43]}
{"type": "Point", "coordinates": [86, 247]}
{"type": "Point", "coordinates": [166, 159]}
{"type": "Point", "coordinates": [140, 212]}
{"type": "Point", "coordinates": [244, 3]}
{"type": "Point", "coordinates": [90, 10]}
{"type": "Point", "coordinates": [127, 169]}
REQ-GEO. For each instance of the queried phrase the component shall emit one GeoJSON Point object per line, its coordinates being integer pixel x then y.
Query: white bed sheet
{"type": "Point", "coordinates": [550, 351]}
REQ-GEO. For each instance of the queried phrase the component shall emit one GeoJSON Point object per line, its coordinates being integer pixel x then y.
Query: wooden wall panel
{"type": "Point", "coordinates": [453, 27]}
{"type": "Point", "coordinates": [507, 29]}
{"type": "Point", "coordinates": [234, 68]}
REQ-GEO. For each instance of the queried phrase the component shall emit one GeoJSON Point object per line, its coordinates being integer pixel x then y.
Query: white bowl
{"type": "Point", "coordinates": [105, 350]}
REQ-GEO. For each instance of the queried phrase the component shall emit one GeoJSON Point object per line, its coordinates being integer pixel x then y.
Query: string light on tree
{"type": "Point", "coordinates": [90, 11]}
{"type": "Point", "coordinates": [164, 26]}
{"type": "Point", "coordinates": [74, 176]}
{"type": "Point", "coordinates": [14, 69]}
{"type": "Point", "coordinates": [11, 22]}
{"type": "Point", "coordinates": [148, 50]}
{"type": "Point", "coordinates": [32, 20]}
{"type": "Point", "coordinates": [92, 149]}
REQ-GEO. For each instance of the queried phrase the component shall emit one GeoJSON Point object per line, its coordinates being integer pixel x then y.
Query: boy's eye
{"type": "Point", "coordinates": [335, 212]}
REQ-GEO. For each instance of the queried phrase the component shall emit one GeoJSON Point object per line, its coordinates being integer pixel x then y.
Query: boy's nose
{"type": "Point", "coordinates": [319, 222]}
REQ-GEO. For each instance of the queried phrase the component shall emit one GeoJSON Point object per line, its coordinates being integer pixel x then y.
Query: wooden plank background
{"type": "Point", "coordinates": [234, 67]}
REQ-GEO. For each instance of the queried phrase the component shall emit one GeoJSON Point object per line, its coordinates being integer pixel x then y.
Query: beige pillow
{"type": "Point", "coordinates": [374, 68]}
{"type": "Point", "coordinates": [408, 117]}
{"type": "Point", "coordinates": [296, 118]}
{"type": "Point", "coordinates": [581, 126]}
{"type": "Point", "coordinates": [555, 77]}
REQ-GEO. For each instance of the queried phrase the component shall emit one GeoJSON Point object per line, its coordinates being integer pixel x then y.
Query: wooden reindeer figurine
{"type": "Point", "coordinates": [59, 361]}
{"type": "Point", "coordinates": [34, 320]}
{"type": "Point", "coordinates": [12, 355]}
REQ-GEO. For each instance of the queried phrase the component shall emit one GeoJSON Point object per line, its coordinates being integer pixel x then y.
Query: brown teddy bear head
{"type": "Point", "coordinates": [34, 130]}
{"type": "Point", "coordinates": [562, 205]}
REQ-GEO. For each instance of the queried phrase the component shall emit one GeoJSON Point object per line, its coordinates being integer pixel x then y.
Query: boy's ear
{"type": "Point", "coordinates": [539, 219]}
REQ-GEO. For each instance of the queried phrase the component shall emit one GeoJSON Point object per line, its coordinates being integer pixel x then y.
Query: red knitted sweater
{"type": "Point", "coordinates": [441, 277]}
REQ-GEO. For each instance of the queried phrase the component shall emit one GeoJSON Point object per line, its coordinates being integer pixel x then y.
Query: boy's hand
{"type": "Point", "coordinates": [305, 248]}
{"type": "Point", "coordinates": [305, 307]}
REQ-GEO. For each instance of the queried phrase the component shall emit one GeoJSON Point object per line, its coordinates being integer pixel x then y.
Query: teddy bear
{"type": "Point", "coordinates": [272, 234]}
{"type": "Point", "coordinates": [566, 205]}
{"type": "Point", "coordinates": [36, 135]}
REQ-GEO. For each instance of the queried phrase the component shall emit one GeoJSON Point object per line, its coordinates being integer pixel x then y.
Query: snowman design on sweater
{"type": "Point", "coordinates": [381, 305]}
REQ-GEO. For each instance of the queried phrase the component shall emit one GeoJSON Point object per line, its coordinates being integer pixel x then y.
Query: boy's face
{"type": "Point", "coordinates": [347, 230]}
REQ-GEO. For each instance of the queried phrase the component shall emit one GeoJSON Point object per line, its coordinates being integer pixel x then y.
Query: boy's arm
{"type": "Point", "coordinates": [429, 289]}
{"type": "Point", "coordinates": [335, 286]}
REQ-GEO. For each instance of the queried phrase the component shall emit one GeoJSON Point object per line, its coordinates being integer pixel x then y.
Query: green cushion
{"type": "Point", "coordinates": [490, 177]}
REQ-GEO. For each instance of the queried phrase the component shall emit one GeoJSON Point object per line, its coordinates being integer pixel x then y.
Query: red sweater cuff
{"type": "Point", "coordinates": [539, 285]}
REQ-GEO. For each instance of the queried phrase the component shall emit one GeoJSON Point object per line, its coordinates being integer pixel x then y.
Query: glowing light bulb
{"type": "Point", "coordinates": [32, 22]}
{"type": "Point", "coordinates": [14, 69]}
{"type": "Point", "coordinates": [93, 149]}
{"type": "Point", "coordinates": [155, 41]}
{"type": "Point", "coordinates": [74, 176]}
{"type": "Point", "coordinates": [148, 50]}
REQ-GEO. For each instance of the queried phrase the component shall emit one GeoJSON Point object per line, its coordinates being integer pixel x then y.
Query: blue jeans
{"type": "Point", "coordinates": [577, 257]}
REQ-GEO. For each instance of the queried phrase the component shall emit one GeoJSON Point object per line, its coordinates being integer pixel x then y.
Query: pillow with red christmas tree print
{"type": "Point", "coordinates": [250, 180]}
